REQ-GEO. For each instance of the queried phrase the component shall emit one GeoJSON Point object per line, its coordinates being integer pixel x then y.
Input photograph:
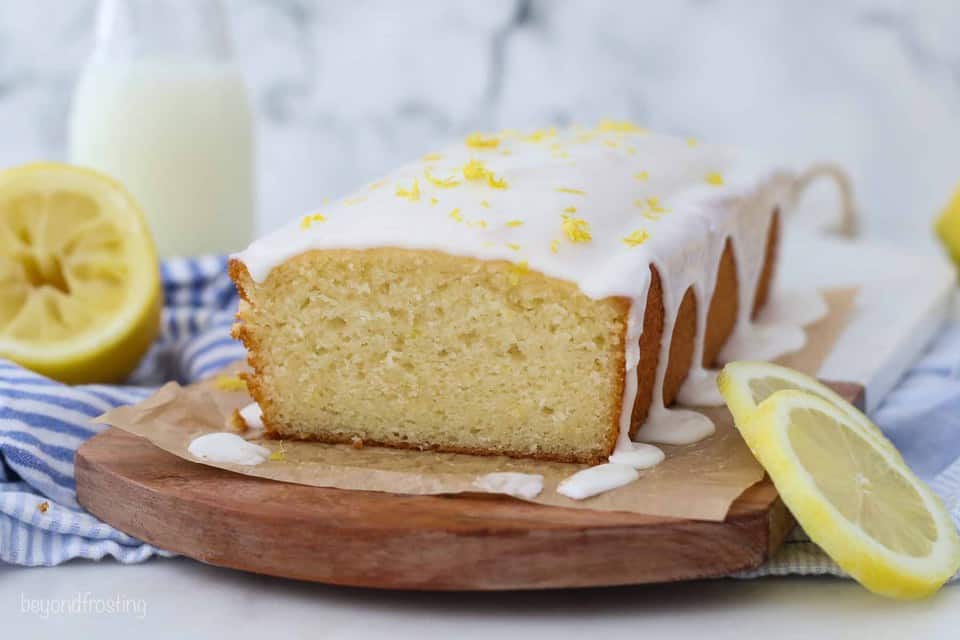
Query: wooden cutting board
{"type": "Point", "coordinates": [391, 541]}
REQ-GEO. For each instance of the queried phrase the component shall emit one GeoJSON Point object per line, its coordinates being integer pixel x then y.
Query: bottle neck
{"type": "Point", "coordinates": [190, 30]}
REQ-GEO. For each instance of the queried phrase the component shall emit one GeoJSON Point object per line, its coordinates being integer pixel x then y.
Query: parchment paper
{"type": "Point", "coordinates": [698, 481]}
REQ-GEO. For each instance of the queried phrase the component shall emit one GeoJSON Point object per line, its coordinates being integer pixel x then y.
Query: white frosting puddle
{"type": "Point", "coordinates": [229, 448]}
{"type": "Point", "coordinates": [596, 480]}
{"type": "Point", "coordinates": [700, 389]}
{"type": "Point", "coordinates": [675, 426]}
{"type": "Point", "coordinates": [519, 485]}
{"type": "Point", "coordinates": [638, 455]}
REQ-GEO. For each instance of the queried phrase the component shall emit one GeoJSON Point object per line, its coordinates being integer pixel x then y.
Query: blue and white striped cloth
{"type": "Point", "coordinates": [42, 423]}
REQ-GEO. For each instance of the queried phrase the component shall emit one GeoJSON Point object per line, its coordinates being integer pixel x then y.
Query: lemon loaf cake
{"type": "Point", "coordinates": [544, 295]}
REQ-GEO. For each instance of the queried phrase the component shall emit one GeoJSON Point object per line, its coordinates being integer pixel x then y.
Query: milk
{"type": "Point", "coordinates": [178, 135]}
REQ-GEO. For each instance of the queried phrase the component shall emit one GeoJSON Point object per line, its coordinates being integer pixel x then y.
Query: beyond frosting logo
{"type": "Point", "coordinates": [84, 604]}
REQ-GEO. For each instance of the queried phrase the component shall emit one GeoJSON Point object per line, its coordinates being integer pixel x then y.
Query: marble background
{"type": "Point", "coordinates": [344, 90]}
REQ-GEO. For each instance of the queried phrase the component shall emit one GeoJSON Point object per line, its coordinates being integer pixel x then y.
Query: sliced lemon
{"type": "Point", "coordinates": [855, 499]}
{"type": "Point", "coordinates": [80, 294]}
{"type": "Point", "coordinates": [744, 385]}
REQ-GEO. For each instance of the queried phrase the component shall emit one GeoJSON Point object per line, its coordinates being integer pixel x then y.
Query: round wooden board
{"type": "Point", "coordinates": [391, 541]}
{"type": "Point", "coordinates": [405, 542]}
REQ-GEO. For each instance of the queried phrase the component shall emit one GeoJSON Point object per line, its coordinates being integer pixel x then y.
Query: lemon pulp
{"type": "Point", "coordinates": [744, 385]}
{"type": "Point", "coordinates": [80, 294]}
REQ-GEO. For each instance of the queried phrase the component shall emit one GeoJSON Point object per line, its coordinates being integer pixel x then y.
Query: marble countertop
{"type": "Point", "coordinates": [345, 91]}
{"type": "Point", "coordinates": [180, 598]}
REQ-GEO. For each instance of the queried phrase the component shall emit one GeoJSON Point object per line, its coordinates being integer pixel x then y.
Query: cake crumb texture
{"type": "Point", "coordinates": [421, 349]}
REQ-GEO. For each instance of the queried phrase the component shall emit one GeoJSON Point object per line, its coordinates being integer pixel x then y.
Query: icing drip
{"type": "Point", "coordinates": [252, 415]}
{"type": "Point", "coordinates": [596, 480]}
{"type": "Point", "coordinates": [700, 388]}
{"type": "Point", "coordinates": [519, 485]}
{"type": "Point", "coordinates": [675, 426]}
{"type": "Point", "coordinates": [637, 455]}
{"type": "Point", "coordinates": [227, 448]}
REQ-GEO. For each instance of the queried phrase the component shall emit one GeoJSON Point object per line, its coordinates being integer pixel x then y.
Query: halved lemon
{"type": "Point", "coordinates": [744, 385]}
{"type": "Point", "coordinates": [854, 497]}
{"type": "Point", "coordinates": [80, 294]}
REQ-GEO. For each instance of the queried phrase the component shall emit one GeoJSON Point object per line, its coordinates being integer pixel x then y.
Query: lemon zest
{"type": "Point", "coordinates": [540, 135]}
{"type": "Point", "coordinates": [515, 223]}
{"type": "Point", "coordinates": [310, 218]}
{"type": "Point", "coordinates": [443, 183]}
{"type": "Point", "coordinates": [576, 192]}
{"type": "Point", "coordinates": [619, 126]}
{"type": "Point", "coordinates": [412, 194]}
{"type": "Point", "coordinates": [636, 238]}
{"type": "Point", "coordinates": [576, 229]}
{"type": "Point", "coordinates": [714, 178]}
{"type": "Point", "coordinates": [496, 183]}
{"type": "Point", "coordinates": [480, 141]}
{"type": "Point", "coordinates": [229, 383]}
{"type": "Point", "coordinates": [654, 204]}
{"type": "Point", "coordinates": [475, 170]}
{"type": "Point", "coordinates": [279, 454]}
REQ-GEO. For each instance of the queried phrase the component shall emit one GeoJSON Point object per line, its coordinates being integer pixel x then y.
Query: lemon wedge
{"type": "Point", "coordinates": [852, 493]}
{"type": "Point", "coordinates": [80, 294]}
{"type": "Point", "coordinates": [744, 385]}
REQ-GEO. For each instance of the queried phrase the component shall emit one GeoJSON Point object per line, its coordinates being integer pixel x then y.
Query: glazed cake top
{"type": "Point", "coordinates": [591, 206]}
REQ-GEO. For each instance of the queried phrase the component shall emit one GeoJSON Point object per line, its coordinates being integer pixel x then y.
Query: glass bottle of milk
{"type": "Point", "coordinates": [161, 107]}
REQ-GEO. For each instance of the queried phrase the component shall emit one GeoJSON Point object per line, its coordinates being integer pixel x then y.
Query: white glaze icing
{"type": "Point", "coordinates": [596, 480]}
{"type": "Point", "coordinates": [227, 447]}
{"type": "Point", "coordinates": [519, 485]}
{"type": "Point", "coordinates": [700, 389]}
{"type": "Point", "coordinates": [252, 414]}
{"type": "Point", "coordinates": [556, 186]}
{"type": "Point", "coordinates": [638, 455]}
{"type": "Point", "coordinates": [763, 342]}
